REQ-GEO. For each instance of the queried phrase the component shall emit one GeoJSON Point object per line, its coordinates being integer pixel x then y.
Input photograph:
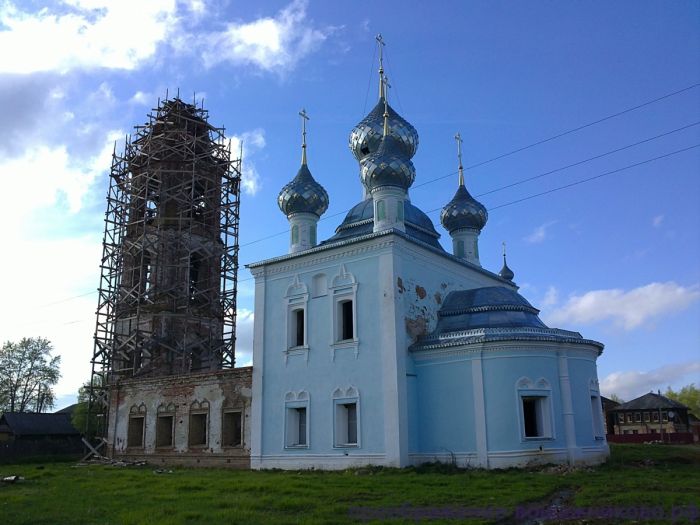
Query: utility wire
{"type": "Point", "coordinates": [522, 181]}
{"type": "Point", "coordinates": [493, 159]}
{"type": "Point", "coordinates": [582, 181]}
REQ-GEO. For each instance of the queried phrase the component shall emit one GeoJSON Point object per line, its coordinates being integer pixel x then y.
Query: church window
{"type": "Point", "coordinates": [345, 316]}
{"type": "Point", "coordinates": [312, 234]}
{"type": "Point", "coordinates": [346, 411]}
{"type": "Point", "coordinates": [165, 422]}
{"type": "Point", "coordinates": [296, 425]}
{"type": "Point", "coordinates": [232, 429]}
{"type": "Point", "coordinates": [195, 274]}
{"type": "Point", "coordinates": [295, 234]}
{"type": "Point", "coordinates": [460, 248]}
{"type": "Point", "coordinates": [297, 332]}
{"type": "Point", "coordinates": [297, 321]}
{"type": "Point", "coordinates": [596, 410]}
{"type": "Point", "coordinates": [199, 422]}
{"type": "Point", "coordinates": [535, 409]}
{"type": "Point", "coordinates": [319, 285]}
{"type": "Point", "coordinates": [137, 426]}
{"type": "Point", "coordinates": [381, 210]}
{"type": "Point", "coordinates": [399, 210]}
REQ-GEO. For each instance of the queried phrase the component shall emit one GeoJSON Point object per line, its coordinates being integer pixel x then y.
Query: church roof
{"type": "Point", "coordinates": [27, 424]}
{"type": "Point", "coordinates": [652, 401]}
{"type": "Point", "coordinates": [492, 313]}
{"type": "Point", "coordinates": [360, 221]}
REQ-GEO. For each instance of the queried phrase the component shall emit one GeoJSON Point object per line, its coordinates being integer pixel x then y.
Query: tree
{"type": "Point", "coordinates": [28, 373]}
{"type": "Point", "coordinates": [79, 417]}
{"type": "Point", "coordinates": [689, 395]}
{"type": "Point", "coordinates": [616, 398]}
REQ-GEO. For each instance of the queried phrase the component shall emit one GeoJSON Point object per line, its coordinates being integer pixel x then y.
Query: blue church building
{"type": "Point", "coordinates": [378, 347]}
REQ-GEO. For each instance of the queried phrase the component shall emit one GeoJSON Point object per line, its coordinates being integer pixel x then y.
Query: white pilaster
{"type": "Point", "coordinates": [256, 408]}
{"type": "Point", "coordinates": [482, 452]}
{"type": "Point", "coordinates": [573, 452]}
{"type": "Point", "coordinates": [392, 345]}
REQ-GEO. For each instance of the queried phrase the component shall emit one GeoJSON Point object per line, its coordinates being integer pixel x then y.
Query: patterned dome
{"type": "Point", "coordinates": [303, 195]}
{"type": "Point", "coordinates": [366, 136]}
{"type": "Point", "coordinates": [388, 166]}
{"type": "Point", "coordinates": [463, 211]}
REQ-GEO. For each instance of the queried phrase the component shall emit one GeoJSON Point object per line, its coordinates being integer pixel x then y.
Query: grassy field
{"type": "Point", "coordinates": [659, 478]}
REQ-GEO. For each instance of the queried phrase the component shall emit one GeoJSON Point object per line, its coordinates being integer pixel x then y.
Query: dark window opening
{"type": "Point", "coordinates": [530, 416]}
{"type": "Point", "coordinates": [232, 429]}
{"type": "Point", "coordinates": [135, 432]}
{"type": "Point", "coordinates": [198, 430]}
{"type": "Point", "coordinates": [164, 431]}
{"type": "Point", "coordinates": [301, 415]}
{"type": "Point", "coordinates": [299, 328]}
{"type": "Point", "coordinates": [195, 268]}
{"type": "Point", "coordinates": [347, 329]}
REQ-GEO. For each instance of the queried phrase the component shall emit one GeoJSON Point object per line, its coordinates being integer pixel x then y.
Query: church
{"type": "Point", "coordinates": [378, 347]}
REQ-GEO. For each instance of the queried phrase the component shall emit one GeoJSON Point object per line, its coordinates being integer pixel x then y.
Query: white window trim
{"type": "Point", "coordinates": [294, 400]}
{"type": "Point", "coordinates": [297, 298]}
{"type": "Point", "coordinates": [343, 396]}
{"type": "Point", "coordinates": [525, 387]}
{"type": "Point", "coordinates": [343, 288]}
{"type": "Point", "coordinates": [199, 408]}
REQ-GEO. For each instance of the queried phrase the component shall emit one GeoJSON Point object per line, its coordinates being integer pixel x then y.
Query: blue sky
{"type": "Point", "coordinates": [616, 258]}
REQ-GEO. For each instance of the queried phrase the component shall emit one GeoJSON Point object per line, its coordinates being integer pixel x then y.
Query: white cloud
{"type": "Point", "coordinates": [539, 234]}
{"type": "Point", "coordinates": [271, 44]}
{"type": "Point", "coordinates": [244, 337]}
{"type": "Point", "coordinates": [252, 141]}
{"type": "Point", "coordinates": [657, 220]}
{"type": "Point", "coordinates": [83, 34]}
{"type": "Point", "coordinates": [551, 297]}
{"type": "Point", "coordinates": [45, 174]}
{"type": "Point", "coordinates": [631, 384]}
{"type": "Point", "coordinates": [628, 309]}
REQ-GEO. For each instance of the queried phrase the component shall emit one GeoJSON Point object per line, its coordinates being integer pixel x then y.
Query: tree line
{"type": "Point", "coordinates": [28, 373]}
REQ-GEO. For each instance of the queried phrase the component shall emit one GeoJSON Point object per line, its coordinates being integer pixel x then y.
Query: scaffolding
{"type": "Point", "coordinates": [168, 283]}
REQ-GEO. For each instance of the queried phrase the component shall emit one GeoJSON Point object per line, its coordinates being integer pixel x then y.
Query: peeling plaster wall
{"type": "Point", "coordinates": [222, 390]}
{"type": "Point", "coordinates": [424, 281]}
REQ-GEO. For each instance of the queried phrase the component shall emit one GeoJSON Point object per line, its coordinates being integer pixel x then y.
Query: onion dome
{"type": "Point", "coordinates": [303, 195]}
{"type": "Point", "coordinates": [388, 166]}
{"type": "Point", "coordinates": [463, 211]}
{"type": "Point", "coordinates": [367, 134]}
{"type": "Point", "coordinates": [506, 272]}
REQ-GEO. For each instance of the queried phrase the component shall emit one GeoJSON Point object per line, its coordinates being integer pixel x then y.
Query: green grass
{"type": "Point", "coordinates": [61, 493]}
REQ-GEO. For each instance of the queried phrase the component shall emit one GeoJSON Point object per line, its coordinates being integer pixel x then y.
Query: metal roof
{"type": "Point", "coordinates": [31, 424]}
{"type": "Point", "coordinates": [652, 401]}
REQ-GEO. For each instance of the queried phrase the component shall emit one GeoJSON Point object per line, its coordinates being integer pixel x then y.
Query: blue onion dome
{"type": "Point", "coordinates": [303, 195]}
{"type": "Point", "coordinates": [506, 272]}
{"type": "Point", "coordinates": [366, 136]}
{"type": "Point", "coordinates": [463, 211]}
{"type": "Point", "coordinates": [388, 166]}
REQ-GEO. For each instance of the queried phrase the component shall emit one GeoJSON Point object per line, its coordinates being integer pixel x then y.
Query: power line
{"type": "Point", "coordinates": [588, 179]}
{"type": "Point", "coordinates": [522, 181]}
{"type": "Point", "coordinates": [503, 155]}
